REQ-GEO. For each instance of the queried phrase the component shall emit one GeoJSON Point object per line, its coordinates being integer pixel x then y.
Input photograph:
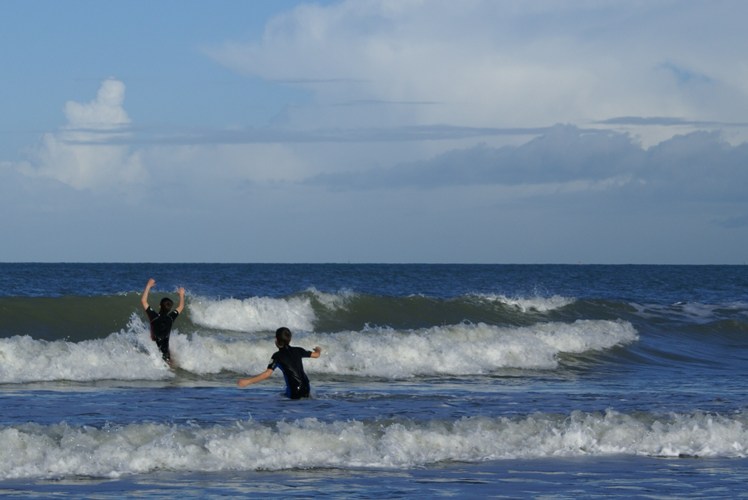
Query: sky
{"type": "Point", "coordinates": [363, 131]}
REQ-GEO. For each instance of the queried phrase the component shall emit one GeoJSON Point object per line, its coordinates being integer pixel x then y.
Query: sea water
{"type": "Point", "coordinates": [434, 380]}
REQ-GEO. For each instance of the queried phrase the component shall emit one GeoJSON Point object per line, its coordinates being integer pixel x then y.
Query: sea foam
{"type": "Point", "coordinates": [125, 355]}
{"type": "Point", "coordinates": [530, 304]}
{"type": "Point", "coordinates": [254, 314]}
{"type": "Point", "coordinates": [462, 349]}
{"type": "Point", "coordinates": [60, 450]}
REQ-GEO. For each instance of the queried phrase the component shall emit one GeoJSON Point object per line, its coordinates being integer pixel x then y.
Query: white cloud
{"type": "Point", "coordinates": [103, 113]}
{"type": "Point", "coordinates": [402, 137]}
{"type": "Point", "coordinates": [80, 154]}
{"type": "Point", "coordinates": [503, 63]}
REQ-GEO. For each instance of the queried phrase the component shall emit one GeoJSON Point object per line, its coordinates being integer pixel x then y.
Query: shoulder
{"type": "Point", "coordinates": [300, 351]}
{"type": "Point", "coordinates": [274, 360]}
{"type": "Point", "coordinates": [150, 312]}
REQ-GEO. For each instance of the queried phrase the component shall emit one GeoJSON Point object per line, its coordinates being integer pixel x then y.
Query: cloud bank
{"type": "Point", "coordinates": [699, 166]}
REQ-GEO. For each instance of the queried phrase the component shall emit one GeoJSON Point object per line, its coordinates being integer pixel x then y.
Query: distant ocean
{"type": "Point", "coordinates": [483, 381]}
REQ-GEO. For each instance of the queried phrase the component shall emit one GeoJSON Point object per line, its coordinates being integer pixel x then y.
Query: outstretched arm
{"type": "Point", "coordinates": [144, 297]}
{"type": "Point", "coordinates": [244, 382]}
{"type": "Point", "coordinates": [316, 352]}
{"type": "Point", "coordinates": [180, 307]}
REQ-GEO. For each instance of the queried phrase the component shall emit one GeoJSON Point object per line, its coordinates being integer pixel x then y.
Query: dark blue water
{"type": "Point", "coordinates": [464, 380]}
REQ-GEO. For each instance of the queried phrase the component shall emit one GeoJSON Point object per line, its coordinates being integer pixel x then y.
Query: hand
{"type": "Point", "coordinates": [317, 349]}
{"type": "Point", "coordinates": [180, 291]}
{"type": "Point", "coordinates": [146, 291]}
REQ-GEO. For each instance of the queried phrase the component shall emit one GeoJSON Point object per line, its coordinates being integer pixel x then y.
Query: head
{"type": "Point", "coordinates": [282, 337]}
{"type": "Point", "coordinates": [166, 304]}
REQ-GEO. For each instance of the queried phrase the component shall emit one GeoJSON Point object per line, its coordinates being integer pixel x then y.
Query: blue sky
{"type": "Point", "coordinates": [479, 131]}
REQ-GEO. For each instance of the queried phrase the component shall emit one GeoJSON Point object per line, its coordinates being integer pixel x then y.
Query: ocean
{"type": "Point", "coordinates": [467, 381]}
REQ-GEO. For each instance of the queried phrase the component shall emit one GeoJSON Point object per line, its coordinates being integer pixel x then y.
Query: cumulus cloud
{"type": "Point", "coordinates": [105, 112]}
{"type": "Point", "coordinates": [81, 154]}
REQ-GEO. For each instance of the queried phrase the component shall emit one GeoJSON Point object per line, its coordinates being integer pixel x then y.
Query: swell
{"type": "Point", "coordinates": [668, 334]}
{"type": "Point", "coordinates": [355, 311]}
{"type": "Point", "coordinates": [88, 317]}
{"type": "Point", "coordinates": [67, 317]}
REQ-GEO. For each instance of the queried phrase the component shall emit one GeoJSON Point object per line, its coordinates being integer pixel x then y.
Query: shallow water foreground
{"type": "Point", "coordinates": [591, 477]}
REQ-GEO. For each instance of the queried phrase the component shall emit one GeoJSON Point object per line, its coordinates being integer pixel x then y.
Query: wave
{"type": "Point", "coordinates": [83, 318]}
{"type": "Point", "coordinates": [87, 318]}
{"type": "Point", "coordinates": [695, 312]}
{"type": "Point", "coordinates": [461, 349]}
{"type": "Point", "coordinates": [126, 355]}
{"type": "Point", "coordinates": [61, 450]}
{"type": "Point", "coordinates": [529, 304]}
{"type": "Point", "coordinates": [345, 310]}
{"type": "Point", "coordinates": [254, 314]}
{"type": "Point", "coordinates": [467, 349]}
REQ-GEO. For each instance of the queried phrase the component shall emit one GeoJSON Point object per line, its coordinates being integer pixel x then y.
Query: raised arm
{"type": "Point", "coordinates": [144, 297]}
{"type": "Point", "coordinates": [180, 307]}
{"type": "Point", "coordinates": [244, 382]}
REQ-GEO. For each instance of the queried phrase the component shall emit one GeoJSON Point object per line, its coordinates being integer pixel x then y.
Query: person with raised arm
{"type": "Point", "coordinates": [289, 360]}
{"type": "Point", "coordinates": [162, 321]}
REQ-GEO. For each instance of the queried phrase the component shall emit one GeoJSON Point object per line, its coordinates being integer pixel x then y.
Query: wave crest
{"type": "Point", "coordinates": [254, 314]}
{"type": "Point", "coordinates": [452, 350]}
{"type": "Point", "coordinates": [33, 450]}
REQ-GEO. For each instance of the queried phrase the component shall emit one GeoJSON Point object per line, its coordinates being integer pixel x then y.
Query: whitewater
{"type": "Point", "coordinates": [491, 381]}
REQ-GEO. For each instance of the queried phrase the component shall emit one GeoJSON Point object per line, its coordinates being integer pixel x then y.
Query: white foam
{"type": "Point", "coordinates": [203, 354]}
{"type": "Point", "coordinates": [125, 355]}
{"type": "Point", "coordinates": [693, 312]}
{"type": "Point", "coordinates": [61, 450]}
{"type": "Point", "coordinates": [254, 314]}
{"type": "Point", "coordinates": [462, 349]}
{"type": "Point", "coordinates": [529, 304]}
{"type": "Point", "coordinates": [333, 301]}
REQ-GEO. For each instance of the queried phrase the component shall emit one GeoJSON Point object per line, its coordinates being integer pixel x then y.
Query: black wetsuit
{"type": "Point", "coordinates": [288, 360]}
{"type": "Point", "coordinates": [161, 329]}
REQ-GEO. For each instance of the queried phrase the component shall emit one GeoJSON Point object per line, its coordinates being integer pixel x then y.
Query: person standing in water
{"type": "Point", "coordinates": [288, 359]}
{"type": "Point", "coordinates": [162, 321]}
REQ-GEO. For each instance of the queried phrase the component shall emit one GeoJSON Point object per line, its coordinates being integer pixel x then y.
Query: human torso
{"type": "Point", "coordinates": [289, 361]}
{"type": "Point", "coordinates": [161, 323]}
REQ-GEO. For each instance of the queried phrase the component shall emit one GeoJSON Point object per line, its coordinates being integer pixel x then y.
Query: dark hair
{"type": "Point", "coordinates": [166, 303]}
{"type": "Point", "coordinates": [282, 337]}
